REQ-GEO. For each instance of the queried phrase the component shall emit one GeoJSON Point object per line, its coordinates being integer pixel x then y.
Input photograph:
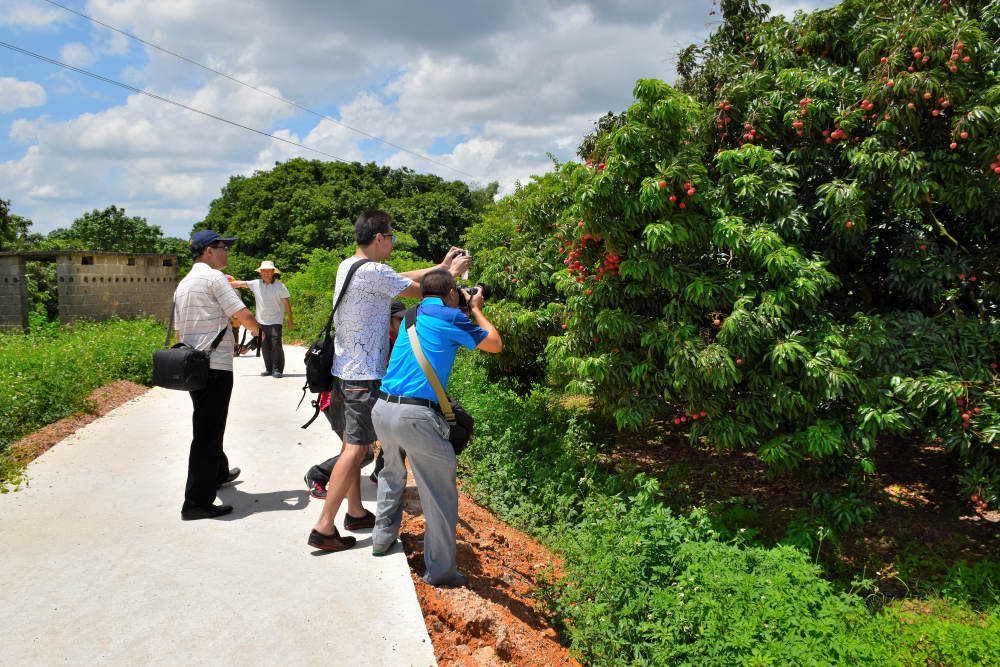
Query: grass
{"type": "Point", "coordinates": [48, 374]}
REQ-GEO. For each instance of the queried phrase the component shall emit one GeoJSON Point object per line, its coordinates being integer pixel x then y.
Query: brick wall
{"type": "Point", "coordinates": [13, 294]}
{"type": "Point", "coordinates": [109, 285]}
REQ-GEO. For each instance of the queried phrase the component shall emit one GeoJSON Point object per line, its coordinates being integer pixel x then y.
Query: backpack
{"type": "Point", "coordinates": [319, 357]}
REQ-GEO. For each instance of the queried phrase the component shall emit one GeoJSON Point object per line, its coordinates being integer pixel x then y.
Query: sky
{"type": "Point", "coordinates": [485, 88]}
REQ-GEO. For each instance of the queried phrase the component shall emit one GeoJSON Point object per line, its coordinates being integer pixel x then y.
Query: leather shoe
{"type": "Point", "coordinates": [205, 512]}
{"type": "Point", "coordinates": [265, 373]}
{"type": "Point", "coordinates": [331, 542]}
{"type": "Point", "coordinates": [233, 474]}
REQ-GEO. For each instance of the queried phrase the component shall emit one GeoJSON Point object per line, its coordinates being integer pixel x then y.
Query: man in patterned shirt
{"type": "Point", "coordinates": [204, 302]}
{"type": "Point", "coordinates": [361, 347]}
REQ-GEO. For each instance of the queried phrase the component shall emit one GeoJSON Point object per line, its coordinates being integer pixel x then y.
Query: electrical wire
{"type": "Point", "coordinates": [164, 99]}
{"type": "Point", "coordinates": [277, 97]}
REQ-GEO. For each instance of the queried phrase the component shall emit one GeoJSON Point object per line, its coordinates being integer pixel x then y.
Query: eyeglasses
{"type": "Point", "coordinates": [392, 239]}
{"type": "Point", "coordinates": [220, 247]}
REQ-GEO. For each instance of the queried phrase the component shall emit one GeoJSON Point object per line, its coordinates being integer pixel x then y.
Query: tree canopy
{"type": "Point", "coordinates": [792, 250]}
{"type": "Point", "coordinates": [302, 205]}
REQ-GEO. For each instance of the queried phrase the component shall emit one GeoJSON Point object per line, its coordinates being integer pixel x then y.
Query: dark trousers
{"type": "Point", "coordinates": [208, 466]}
{"type": "Point", "coordinates": [274, 354]}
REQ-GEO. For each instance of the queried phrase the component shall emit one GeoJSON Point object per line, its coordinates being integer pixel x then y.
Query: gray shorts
{"type": "Point", "coordinates": [351, 403]}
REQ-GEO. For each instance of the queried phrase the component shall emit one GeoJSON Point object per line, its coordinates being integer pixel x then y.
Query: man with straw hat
{"type": "Point", "coordinates": [272, 306]}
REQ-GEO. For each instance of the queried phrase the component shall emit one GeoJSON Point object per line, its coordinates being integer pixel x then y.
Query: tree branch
{"type": "Point", "coordinates": [926, 208]}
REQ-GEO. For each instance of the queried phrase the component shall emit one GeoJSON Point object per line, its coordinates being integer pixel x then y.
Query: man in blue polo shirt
{"type": "Point", "coordinates": [409, 424]}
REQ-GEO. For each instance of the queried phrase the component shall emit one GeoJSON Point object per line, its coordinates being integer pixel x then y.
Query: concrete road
{"type": "Point", "coordinates": [97, 568]}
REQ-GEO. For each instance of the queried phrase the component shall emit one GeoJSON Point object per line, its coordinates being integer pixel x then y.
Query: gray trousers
{"type": "Point", "coordinates": [419, 434]}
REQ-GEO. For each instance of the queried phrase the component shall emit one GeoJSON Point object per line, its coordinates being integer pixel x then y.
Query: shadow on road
{"type": "Point", "coordinates": [244, 504]}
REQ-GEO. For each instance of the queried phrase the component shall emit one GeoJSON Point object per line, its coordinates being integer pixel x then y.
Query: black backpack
{"type": "Point", "coordinates": [319, 357]}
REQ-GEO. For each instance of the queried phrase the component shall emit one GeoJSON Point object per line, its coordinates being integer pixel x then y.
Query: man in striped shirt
{"type": "Point", "coordinates": [203, 303]}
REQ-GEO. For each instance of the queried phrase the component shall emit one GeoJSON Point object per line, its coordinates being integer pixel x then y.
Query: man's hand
{"type": "Point", "coordinates": [477, 300]}
{"type": "Point", "coordinates": [456, 264]}
{"type": "Point", "coordinates": [291, 325]}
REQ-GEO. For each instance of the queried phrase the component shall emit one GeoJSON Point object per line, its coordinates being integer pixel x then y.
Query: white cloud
{"type": "Point", "coordinates": [23, 131]}
{"type": "Point", "coordinates": [29, 14]}
{"type": "Point", "coordinates": [77, 55]}
{"type": "Point", "coordinates": [16, 94]}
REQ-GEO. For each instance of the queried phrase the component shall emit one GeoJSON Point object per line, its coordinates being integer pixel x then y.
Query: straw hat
{"type": "Point", "coordinates": [267, 264]}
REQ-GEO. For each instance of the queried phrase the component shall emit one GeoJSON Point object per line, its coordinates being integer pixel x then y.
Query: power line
{"type": "Point", "coordinates": [277, 97]}
{"type": "Point", "coordinates": [163, 99]}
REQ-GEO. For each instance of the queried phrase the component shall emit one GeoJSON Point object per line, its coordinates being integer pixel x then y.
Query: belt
{"type": "Point", "coordinates": [409, 400]}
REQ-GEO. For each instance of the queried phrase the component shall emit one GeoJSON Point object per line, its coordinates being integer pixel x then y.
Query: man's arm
{"type": "Point", "coordinates": [288, 312]}
{"type": "Point", "coordinates": [454, 263]}
{"type": "Point", "coordinates": [492, 342]}
{"type": "Point", "coordinates": [239, 283]}
{"type": "Point", "coordinates": [248, 321]}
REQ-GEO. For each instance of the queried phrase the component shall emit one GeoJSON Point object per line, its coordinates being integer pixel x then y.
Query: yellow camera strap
{"type": "Point", "coordinates": [411, 329]}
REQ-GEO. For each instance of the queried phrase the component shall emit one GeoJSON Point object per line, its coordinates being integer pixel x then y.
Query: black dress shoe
{"type": "Point", "coordinates": [233, 474]}
{"type": "Point", "coordinates": [205, 512]}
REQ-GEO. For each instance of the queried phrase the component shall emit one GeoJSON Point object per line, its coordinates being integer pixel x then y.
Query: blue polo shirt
{"type": "Point", "coordinates": [441, 330]}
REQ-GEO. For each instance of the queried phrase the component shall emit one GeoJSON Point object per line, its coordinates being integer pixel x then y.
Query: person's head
{"type": "Point", "coordinates": [373, 232]}
{"type": "Point", "coordinates": [267, 269]}
{"type": "Point", "coordinates": [396, 312]}
{"type": "Point", "coordinates": [441, 284]}
{"type": "Point", "coordinates": [210, 248]}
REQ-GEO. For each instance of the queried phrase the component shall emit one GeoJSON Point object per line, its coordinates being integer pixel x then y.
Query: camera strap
{"type": "Point", "coordinates": [410, 321]}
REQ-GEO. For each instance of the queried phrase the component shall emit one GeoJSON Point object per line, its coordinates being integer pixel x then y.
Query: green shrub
{"type": "Point", "coordinates": [48, 374]}
{"type": "Point", "coordinates": [645, 587]}
{"type": "Point", "coordinates": [917, 634]}
{"type": "Point", "coordinates": [627, 558]}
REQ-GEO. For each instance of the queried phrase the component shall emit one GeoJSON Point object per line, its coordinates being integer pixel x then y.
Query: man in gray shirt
{"type": "Point", "coordinates": [272, 306]}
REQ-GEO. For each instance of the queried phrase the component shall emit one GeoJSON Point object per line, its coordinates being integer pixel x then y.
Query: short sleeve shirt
{"type": "Point", "coordinates": [441, 330]}
{"type": "Point", "coordinates": [361, 343]}
{"type": "Point", "coordinates": [203, 302]}
{"type": "Point", "coordinates": [270, 307]}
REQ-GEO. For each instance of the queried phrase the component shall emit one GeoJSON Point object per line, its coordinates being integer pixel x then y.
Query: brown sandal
{"type": "Point", "coordinates": [331, 542]}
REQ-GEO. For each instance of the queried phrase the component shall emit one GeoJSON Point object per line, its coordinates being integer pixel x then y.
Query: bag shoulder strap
{"type": "Point", "coordinates": [411, 328]}
{"type": "Point", "coordinates": [170, 329]}
{"type": "Point", "coordinates": [347, 281]}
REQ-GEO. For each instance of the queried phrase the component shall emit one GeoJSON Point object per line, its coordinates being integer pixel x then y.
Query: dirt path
{"type": "Point", "coordinates": [493, 622]}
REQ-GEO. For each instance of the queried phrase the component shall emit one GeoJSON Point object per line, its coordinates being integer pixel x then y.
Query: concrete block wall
{"type": "Point", "coordinates": [115, 285]}
{"type": "Point", "coordinates": [14, 305]}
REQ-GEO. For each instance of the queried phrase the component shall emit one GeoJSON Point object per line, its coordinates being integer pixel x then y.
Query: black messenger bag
{"type": "Point", "coordinates": [183, 367]}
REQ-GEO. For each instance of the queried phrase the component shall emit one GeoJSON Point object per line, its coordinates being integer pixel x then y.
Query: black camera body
{"type": "Point", "coordinates": [464, 293]}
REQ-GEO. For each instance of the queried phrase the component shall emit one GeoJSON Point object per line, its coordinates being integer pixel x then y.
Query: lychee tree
{"type": "Point", "coordinates": [792, 250]}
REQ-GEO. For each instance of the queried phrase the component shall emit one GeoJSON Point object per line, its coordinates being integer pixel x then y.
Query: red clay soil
{"type": "Point", "coordinates": [102, 401]}
{"type": "Point", "coordinates": [492, 622]}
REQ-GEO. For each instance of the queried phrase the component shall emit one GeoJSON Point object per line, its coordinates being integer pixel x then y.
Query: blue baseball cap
{"type": "Point", "coordinates": [207, 237]}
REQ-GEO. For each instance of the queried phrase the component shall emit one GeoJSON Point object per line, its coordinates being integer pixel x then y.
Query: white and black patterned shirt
{"type": "Point", "coordinates": [361, 343]}
{"type": "Point", "coordinates": [204, 302]}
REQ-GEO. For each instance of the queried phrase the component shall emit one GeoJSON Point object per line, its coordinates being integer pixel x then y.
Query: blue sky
{"type": "Point", "coordinates": [487, 88]}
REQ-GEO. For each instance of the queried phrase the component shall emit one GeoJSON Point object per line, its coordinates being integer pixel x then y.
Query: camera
{"type": "Point", "coordinates": [464, 293]}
